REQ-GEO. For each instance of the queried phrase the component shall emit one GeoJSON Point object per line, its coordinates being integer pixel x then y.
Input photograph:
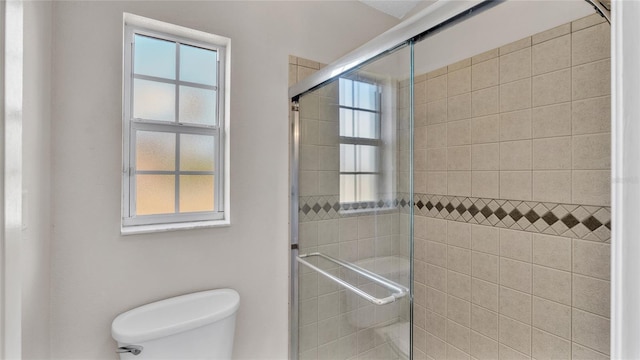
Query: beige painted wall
{"type": "Point", "coordinates": [36, 180]}
{"type": "Point", "coordinates": [96, 272]}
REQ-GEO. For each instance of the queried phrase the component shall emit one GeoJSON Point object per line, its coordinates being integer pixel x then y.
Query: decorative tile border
{"type": "Point", "coordinates": [570, 220]}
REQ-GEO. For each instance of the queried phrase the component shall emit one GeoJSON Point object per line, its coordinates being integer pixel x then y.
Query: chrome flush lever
{"type": "Point", "coordinates": [134, 349]}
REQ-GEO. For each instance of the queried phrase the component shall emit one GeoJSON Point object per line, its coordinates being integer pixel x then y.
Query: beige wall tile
{"type": "Point", "coordinates": [459, 81]}
{"type": "Point", "coordinates": [436, 277]}
{"type": "Point", "coordinates": [436, 348]}
{"type": "Point", "coordinates": [515, 95]}
{"type": "Point", "coordinates": [437, 182]}
{"type": "Point", "coordinates": [458, 335]}
{"type": "Point", "coordinates": [293, 59]}
{"type": "Point", "coordinates": [484, 321]}
{"type": "Point", "coordinates": [493, 53]}
{"type": "Point", "coordinates": [586, 22]}
{"type": "Point", "coordinates": [485, 101]}
{"type": "Point", "coordinates": [591, 44]}
{"type": "Point", "coordinates": [592, 152]}
{"type": "Point", "coordinates": [592, 295]}
{"type": "Point", "coordinates": [552, 120]}
{"type": "Point", "coordinates": [484, 266]}
{"type": "Point", "coordinates": [591, 80]}
{"type": "Point", "coordinates": [437, 111]}
{"type": "Point", "coordinates": [552, 88]}
{"type": "Point", "coordinates": [515, 125]}
{"type": "Point", "coordinates": [552, 153]}
{"type": "Point", "coordinates": [552, 317]}
{"type": "Point", "coordinates": [591, 115]}
{"type": "Point", "coordinates": [436, 253]}
{"type": "Point", "coordinates": [459, 311]}
{"type": "Point", "coordinates": [552, 55]}
{"type": "Point", "coordinates": [552, 251]}
{"type": "Point", "coordinates": [515, 304]}
{"type": "Point", "coordinates": [293, 74]}
{"type": "Point", "coordinates": [420, 141]}
{"type": "Point", "coordinates": [348, 229]}
{"type": "Point", "coordinates": [515, 185]}
{"type": "Point", "coordinates": [552, 284]}
{"type": "Point", "coordinates": [545, 346]}
{"type": "Point", "coordinates": [484, 74]}
{"type": "Point", "coordinates": [515, 46]}
{"type": "Point", "coordinates": [329, 182]}
{"type": "Point", "coordinates": [459, 260]}
{"type": "Point", "coordinates": [507, 353]}
{"type": "Point", "coordinates": [554, 186]}
{"type": "Point", "coordinates": [436, 302]}
{"type": "Point", "coordinates": [455, 353]}
{"type": "Point", "coordinates": [419, 160]}
{"type": "Point", "coordinates": [592, 187]}
{"type": "Point", "coordinates": [459, 234]}
{"type": "Point", "coordinates": [459, 65]}
{"type": "Point", "coordinates": [436, 230]}
{"type": "Point", "coordinates": [515, 335]}
{"type": "Point", "coordinates": [459, 158]}
{"type": "Point", "coordinates": [459, 285]}
{"type": "Point", "coordinates": [485, 157]}
{"type": "Point", "coordinates": [420, 115]}
{"type": "Point", "coordinates": [485, 239]}
{"type": "Point", "coordinates": [419, 340]}
{"type": "Point", "coordinates": [485, 129]}
{"type": "Point", "coordinates": [515, 155]}
{"type": "Point", "coordinates": [515, 274]}
{"type": "Point", "coordinates": [328, 232]}
{"type": "Point", "coordinates": [309, 105]}
{"type": "Point", "coordinates": [580, 352]}
{"type": "Point", "coordinates": [328, 133]}
{"type": "Point", "coordinates": [308, 183]}
{"type": "Point", "coordinates": [485, 184]}
{"type": "Point", "coordinates": [551, 33]}
{"type": "Point", "coordinates": [515, 66]}
{"type": "Point", "coordinates": [459, 107]}
{"type": "Point", "coordinates": [437, 88]}
{"type": "Point", "coordinates": [308, 63]}
{"type": "Point", "coordinates": [459, 132]}
{"type": "Point", "coordinates": [308, 233]}
{"type": "Point", "coordinates": [436, 159]}
{"type": "Point", "coordinates": [420, 92]}
{"type": "Point", "coordinates": [305, 72]}
{"type": "Point", "coordinates": [309, 131]}
{"type": "Point", "coordinates": [591, 330]}
{"type": "Point", "coordinates": [308, 337]}
{"type": "Point", "coordinates": [592, 259]}
{"type": "Point", "coordinates": [515, 245]}
{"type": "Point", "coordinates": [437, 72]}
{"type": "Point", "coordinates": [328, 306]}
{"type": "Point", "coordinates": [484, 294]}
{"type": "Point", "coordinates": [308, 157]}
{"type": "Point", "coordinates": [437, 136]}
{"type": "Point", "coordinates": [483, 347]}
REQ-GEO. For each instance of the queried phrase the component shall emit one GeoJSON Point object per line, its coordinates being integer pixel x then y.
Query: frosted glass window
{"type": "Point", "coordinates": [198, 65]}
{"type": "Point", "coordinates": [365, 125]}
{"type": "Point", "coordinates": [348, 188]}
{"type": "Point", "coordinates": [346, 92]}
{"type": "Point", "coordinates": [197, 106]}
{"type": "Point", "coordinates": [365, 95]}
{"type": "Point", "coordinates": [155, 151]}
{"type": "Point", "coordinates": [366, 158]}
{"type": "Point", "coordinates": [366, 187]}
{"type": "Point", "coordinates": [196, 193]}
{"type": "Point", "coordinates": [154, 57]}
{"type": "Point", "coordinates": [346, 122]}
{"type": "Point", "coordinates": [155, 194]}
{"type": "Point", "coordinates": [154, 100]}
{"type": "Point", "coordinates": [196, 152]}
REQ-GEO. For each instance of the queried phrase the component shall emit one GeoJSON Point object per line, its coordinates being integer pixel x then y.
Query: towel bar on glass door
{"type": "Point", "coordinates": [397, 291]}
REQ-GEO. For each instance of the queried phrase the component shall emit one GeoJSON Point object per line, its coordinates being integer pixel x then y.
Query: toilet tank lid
{"type": "Point", "coordinates": [174, 315]}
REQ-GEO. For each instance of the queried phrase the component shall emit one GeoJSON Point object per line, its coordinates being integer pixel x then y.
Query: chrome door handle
{"type": "Point", "coordinates": [134, 349]}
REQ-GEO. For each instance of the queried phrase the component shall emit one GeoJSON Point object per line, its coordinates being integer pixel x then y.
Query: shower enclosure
{"type": "Point", "coordinates": [450, 189]}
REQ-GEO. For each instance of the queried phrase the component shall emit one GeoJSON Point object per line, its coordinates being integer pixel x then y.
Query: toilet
{"type": "Point", "coordinates": [194, 326]}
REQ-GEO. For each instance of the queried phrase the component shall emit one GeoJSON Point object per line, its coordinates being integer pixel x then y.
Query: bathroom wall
{"type": "Point", "coordinates": [512, 209]}
{"type": "Point", "coordinates": [334, 322]}
{"type": "Point", "coordinates": [36, 241]}
{"type": "Point", "coordinates": [96, 273]}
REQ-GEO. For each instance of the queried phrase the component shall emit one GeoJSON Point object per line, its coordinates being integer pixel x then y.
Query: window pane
{"type": "Point", "coordinates": [154, 57]}
{"type": "Point", "coordinates": [198, 65]}
{"type": "Point", "coordinates": [346, 92]}
{"type": "Point", "coordinates": [155, 194]}
{"type": "Point", "coordinates": [365, 125]}
{"type": "Point", "coordinates": [346, 123]}
{"type": "Point", "coordinates": [153, 100]}
{"type": "Point", "coordinates": [155, 151]}
{"type": "Point", "coordinates": [365, 95]}
{"type": "Point", "coordinates": [196, 152]}
{"type": "Point", "coordinates": [197, 106]}
{"type": "Point", "coordinates": [366, 160]}
{"type": "Point", "coordinates": [366, 188]}
{"type": "Point", "coordinates": [196, 193]}
{"type": "Point", "coordinates": [347, 158]}
{"type": "Point", "coordinates": [347, 188]}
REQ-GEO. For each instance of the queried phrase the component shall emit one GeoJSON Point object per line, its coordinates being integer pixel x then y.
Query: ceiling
{"type": "Point", "coordinates": [396, 8]}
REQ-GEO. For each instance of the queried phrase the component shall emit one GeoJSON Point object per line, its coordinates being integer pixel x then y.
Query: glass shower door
{"type": "Point", "coordinates": [354, 226]}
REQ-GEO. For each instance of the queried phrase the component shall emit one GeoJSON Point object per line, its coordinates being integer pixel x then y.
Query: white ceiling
{"type": "Point", "coordinates": [396, 8]}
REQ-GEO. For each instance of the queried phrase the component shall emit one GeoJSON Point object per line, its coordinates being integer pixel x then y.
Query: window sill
{"type": "Point", "coordinates": [147, 229]}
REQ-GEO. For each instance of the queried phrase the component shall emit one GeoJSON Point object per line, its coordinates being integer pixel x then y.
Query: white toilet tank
{"type": "Point", "coordinates": [193, 326]}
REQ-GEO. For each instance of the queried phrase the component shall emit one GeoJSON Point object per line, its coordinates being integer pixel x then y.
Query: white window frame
{"type": "Point", "coordinates": [137, 25]}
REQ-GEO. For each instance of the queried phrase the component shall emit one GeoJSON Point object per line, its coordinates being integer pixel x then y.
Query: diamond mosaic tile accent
{"type": "Point", "coordinates": [576, 221]}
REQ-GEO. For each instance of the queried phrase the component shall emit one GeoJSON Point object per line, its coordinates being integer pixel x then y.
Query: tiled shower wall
{"type": "Point", "coordinates": [512, 217]}
{"type": "Point", "coordinates": [335, 323]}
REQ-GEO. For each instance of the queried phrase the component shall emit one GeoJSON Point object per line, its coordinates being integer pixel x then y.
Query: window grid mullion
{"type": "Point", "coordinates": [177, 176]}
